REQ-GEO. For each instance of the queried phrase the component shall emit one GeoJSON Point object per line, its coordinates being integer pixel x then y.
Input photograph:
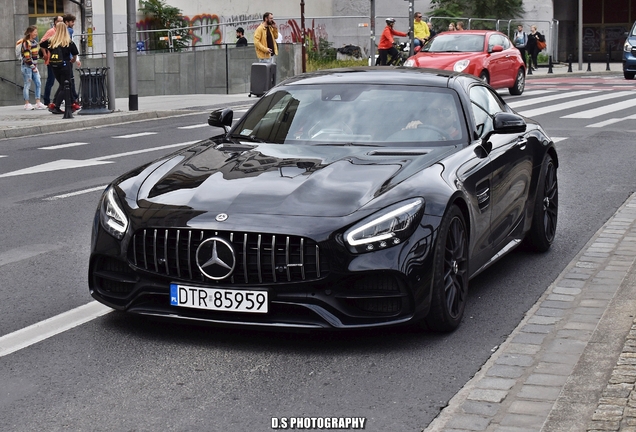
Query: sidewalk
{"type": "Point", "coordinates": [16, 122]}
{"type": "Point", "coordinates": [570, 365]}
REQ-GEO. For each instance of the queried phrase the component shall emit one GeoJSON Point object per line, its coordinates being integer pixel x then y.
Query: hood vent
{"type": "Point", "coordinates": [405, 152]}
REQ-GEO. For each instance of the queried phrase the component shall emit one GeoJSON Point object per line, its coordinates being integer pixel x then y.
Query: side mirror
{"type": "Point", "coordinates": [221, 118]}
{"type": "Point", "coordinates": [508, 123]}
{"type": "Point", "coordinates": [497, 48]}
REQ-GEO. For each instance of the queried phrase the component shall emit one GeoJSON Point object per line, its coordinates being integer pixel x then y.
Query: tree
{"type": "Point", "coordinates": [162, 16]}
{"type": "Point", "coordinates": [490, 9]}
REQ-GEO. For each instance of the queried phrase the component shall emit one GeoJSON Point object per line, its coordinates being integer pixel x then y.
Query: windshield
{"type": "Point", "coordinates": [456, 43]}
{"type": "Point", "coordinates": [355, 114]}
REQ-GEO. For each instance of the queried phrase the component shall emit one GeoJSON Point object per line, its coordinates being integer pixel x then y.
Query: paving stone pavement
{"type": "Point", "coordinates": [570, 365]}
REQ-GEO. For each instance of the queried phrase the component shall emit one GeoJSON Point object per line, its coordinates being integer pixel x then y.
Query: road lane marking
{"type": "Point", "coordinates": [595, 112]}
{"type": "Point", "coordinates": [517, 104]}
{"type": "Point", "coordinates": [611, 121]}
{"type": "Point", "coordinates": [557, 139]}
{"type": "Point", "coordinates": [60, 146]}
{"type": "Point", "coordinates": [57, 165]}
{"type": "Point", "coordinates": [135, 135]}
{"type": "Point", "coordinates": [1, 156]}
{"type": "Point", "coordinates": [80, 192]}
{"type": "Point", "coordinates": [63, 164]}
{"type": "Point", "coordinates": [196, 126]}
{"type": "Point", "coordinates": [574, 104]}
{"type": "Point", "coordinates": [134, 152]}
{"type": "Point", "coordinates": [50, 327]}
{"type": "Point", "coordinates": [26, 252]}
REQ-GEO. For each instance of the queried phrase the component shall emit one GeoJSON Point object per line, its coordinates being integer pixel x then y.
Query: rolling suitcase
{"type": "Point", "coordinates": [262, 78]}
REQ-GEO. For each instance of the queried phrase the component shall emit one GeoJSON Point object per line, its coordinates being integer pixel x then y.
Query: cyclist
{"type": "Point", "coordinates": [385, 47]}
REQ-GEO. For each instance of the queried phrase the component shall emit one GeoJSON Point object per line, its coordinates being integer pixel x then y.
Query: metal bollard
{"type": "Point", "coordinates": [550, 64]}
{"type": "Point", "coordinates": [569, 62]}
{"type": "Point", "coordinates": [608, 61]}
{"type": "Point", "coordinates": [589, 63]}
{"type": "Point", "coordinates": [68, 108]}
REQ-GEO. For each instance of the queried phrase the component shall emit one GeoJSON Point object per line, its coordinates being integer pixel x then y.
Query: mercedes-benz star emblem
{"type": "Point", "coordinates": [215, 258]}
{"type": "Point", "coordinates": [221, 217]}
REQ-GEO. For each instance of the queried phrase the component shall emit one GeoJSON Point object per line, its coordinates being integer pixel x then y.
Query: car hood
{"type": "Point", "coordinates": [442, 60]}
{"type": "Point", "coordinates": [281, 179]}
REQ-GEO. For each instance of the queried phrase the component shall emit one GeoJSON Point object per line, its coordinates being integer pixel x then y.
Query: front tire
{"type": "Point", "coordinates": [546, 206]}
{"type": "Point", "coordinates": [520, 83]}
{"type": "Point", "coordinates": [484, 77]}
{"type": "Point", "coordinates": [450, 274]}
{"type": "Point", "coordinates": [628, 75]}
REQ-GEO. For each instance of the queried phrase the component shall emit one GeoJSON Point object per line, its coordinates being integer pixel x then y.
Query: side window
{"type": "Point", "coordinates": [506, 43]}
{"type": "Point", "coordinates": [494, 40]}
{"type": "Point", "coordinates": [484, 105]}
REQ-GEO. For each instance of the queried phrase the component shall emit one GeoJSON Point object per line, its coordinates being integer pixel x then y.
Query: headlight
{"type": "Point", "coordinates": [461, 65]}
{"type": "Point", "coordinates": [111, 216]}
{"type": "Point", "coordinates": [627, 47]}
{"type": "Point", "coordinates": [409, 63]}
{"type": "Point", "coordinates": [388, 227]}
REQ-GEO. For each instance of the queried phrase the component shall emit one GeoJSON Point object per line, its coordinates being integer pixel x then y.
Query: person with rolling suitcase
{"type": "Point", "coordinates": [263, 73]}
{"type": "Point", "coordinates": [265, 39]}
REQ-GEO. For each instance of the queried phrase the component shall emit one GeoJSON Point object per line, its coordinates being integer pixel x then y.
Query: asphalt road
{"type": "Point", "coordinates": [119, 372]}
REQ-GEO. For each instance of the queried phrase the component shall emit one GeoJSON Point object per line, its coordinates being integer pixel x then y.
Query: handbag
{"type": "Point", "coordinates": [541, 45]}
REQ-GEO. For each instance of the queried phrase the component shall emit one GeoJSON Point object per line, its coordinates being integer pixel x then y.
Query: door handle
{"type": "Point", "coordinates": [521, 143]}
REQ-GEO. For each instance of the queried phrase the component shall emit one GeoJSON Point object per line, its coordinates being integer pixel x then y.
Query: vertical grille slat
{"type": "Point", "coordinates": [287, 259]}
{"type": "Point", "coordinates": [259, 268]}
{"type": "Point", "coordinates": [274, 257]}
{"type": "Point", "coordinates": [177, 246]}
{"type": "Point", "coordinates": [165, 251]}
{"type": "Point", "coordinates": [261, 258]}
{"type": "Point", "coordinates": [302, 257]}
{"type": "Point", "coordinates": [154, 250]}
{"type": "Point", "coordinates": [145, 254]}
{"type": "Point", "coordinates": [245, 257]}
{"type": "Point", "coordinates": [190, 253]}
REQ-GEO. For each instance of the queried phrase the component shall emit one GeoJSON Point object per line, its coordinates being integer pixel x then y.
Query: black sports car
{"type": "Point", "coordinates": [344, 198]}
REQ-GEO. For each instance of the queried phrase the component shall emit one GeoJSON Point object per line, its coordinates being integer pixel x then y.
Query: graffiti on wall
{"type": "Point", "coordinates": [210, 30]}
{"type": "Point", "coordinates": [206, 29]}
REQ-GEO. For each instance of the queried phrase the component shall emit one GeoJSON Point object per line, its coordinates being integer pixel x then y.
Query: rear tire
{"type": "Point", "coordinates": [520, 83]}
{"type": "Point", "coordinates": [546, 206]}
{"type": "Point", "coordinates": [450, 274]}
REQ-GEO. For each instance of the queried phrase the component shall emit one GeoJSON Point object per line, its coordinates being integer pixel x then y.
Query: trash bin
{"type": "Point", "coordinates": [92, 91]}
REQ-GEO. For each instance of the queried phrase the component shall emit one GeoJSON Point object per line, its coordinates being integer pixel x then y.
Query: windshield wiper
{"type": "Point", "coordinates": [246, 137]}
{"type": "Point", "coordinates": [347, 144]}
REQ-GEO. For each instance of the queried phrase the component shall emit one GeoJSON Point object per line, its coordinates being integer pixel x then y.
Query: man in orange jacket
{"type": "Point", "coordinates": [385, 47]}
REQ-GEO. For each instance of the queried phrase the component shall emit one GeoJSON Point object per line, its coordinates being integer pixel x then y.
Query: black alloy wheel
{"type": "Point", "coordinates": [546, 208]}
{"type": "Point", "coordinates": [450, 281]}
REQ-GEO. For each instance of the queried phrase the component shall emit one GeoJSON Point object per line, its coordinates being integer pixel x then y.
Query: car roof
{"type": "Point", "coordinates": [464, 32]}
{"type": "Point", "coordinates": [380, 75]}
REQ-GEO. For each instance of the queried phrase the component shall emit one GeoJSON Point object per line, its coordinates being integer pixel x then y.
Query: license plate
{"type": "Point", "coordinates": [218, 299]}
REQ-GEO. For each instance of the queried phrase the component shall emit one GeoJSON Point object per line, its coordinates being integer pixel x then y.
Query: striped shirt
{"type": "Point", "coordinates": [30, 52]}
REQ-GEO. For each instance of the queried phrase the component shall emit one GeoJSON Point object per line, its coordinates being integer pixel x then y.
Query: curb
{"type": "Point", "coordinates": [108, 119]}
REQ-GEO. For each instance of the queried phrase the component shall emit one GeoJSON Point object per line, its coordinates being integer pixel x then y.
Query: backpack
{"type": "Point", "coordinates": [18, 49]}
{"type": "Point", "coordinates": [56, 58]}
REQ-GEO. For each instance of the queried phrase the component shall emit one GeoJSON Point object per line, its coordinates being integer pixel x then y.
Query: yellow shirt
{"type": "Point", "coordinates": [420, 30]}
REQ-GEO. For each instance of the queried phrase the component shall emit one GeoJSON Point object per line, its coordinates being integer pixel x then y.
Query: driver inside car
{"type": "Point", "coordinates": [443, 119]}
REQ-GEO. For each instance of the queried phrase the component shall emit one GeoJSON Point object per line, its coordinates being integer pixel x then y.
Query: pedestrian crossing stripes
{"type": "Point", "coordinates": [578, 104]}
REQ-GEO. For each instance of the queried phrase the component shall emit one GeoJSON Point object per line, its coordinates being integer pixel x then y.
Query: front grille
{"type": "Point", "coordinates": [260, 258]}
